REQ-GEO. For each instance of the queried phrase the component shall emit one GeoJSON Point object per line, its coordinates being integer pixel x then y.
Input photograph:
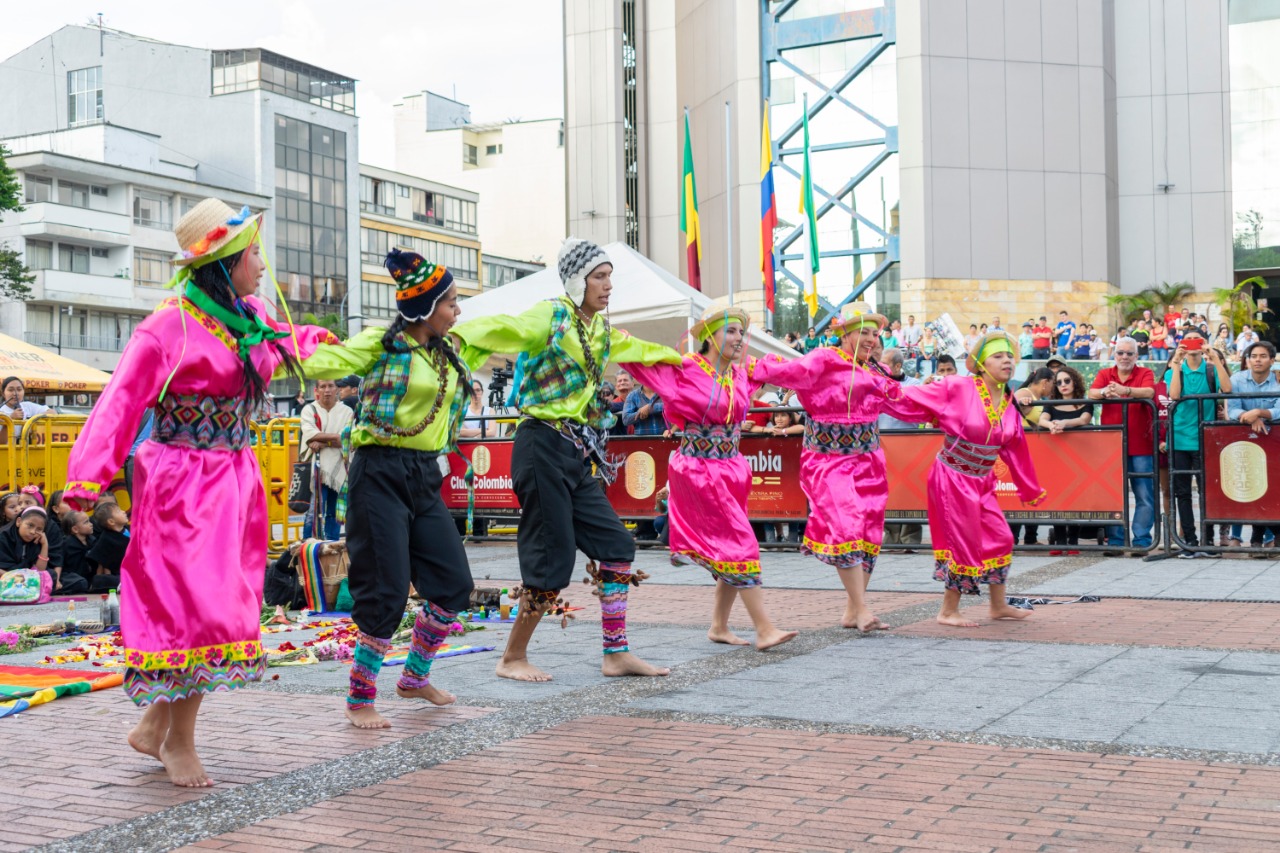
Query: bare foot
{"type": "Point", "coordinates": [727, 637]}
{"type": "Point", "coordinates": [430, 692]}
{"type": "Point", "coordinates": [367, 717]}
{"type": "Point", "coordinates": [147, 740]}
{"type": "Point", "coordinates": [1008, 611]}
{"type": "Point", "coordinates": [520, 670]}
{"type": "Point", "coordinates": [955, 620]}
{"type": "Point", "coordinates": [774, 638]}
{"type": "Point", "coordinates": [625, 663]}
{"type": "Point", "coordinates": [864, 620]}
{"type": "Point", "coordinates": [184, 767]}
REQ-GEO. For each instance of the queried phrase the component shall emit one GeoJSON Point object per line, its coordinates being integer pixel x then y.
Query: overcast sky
{"type": "Point", "coordinates": [505, 57]}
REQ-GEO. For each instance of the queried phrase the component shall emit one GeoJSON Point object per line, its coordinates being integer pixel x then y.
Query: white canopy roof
{"type": "Point", "coordinates": [647, 301]}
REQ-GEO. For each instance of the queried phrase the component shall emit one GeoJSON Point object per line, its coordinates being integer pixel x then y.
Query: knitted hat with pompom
{"type": "Point", "coordinates": [577, 259]}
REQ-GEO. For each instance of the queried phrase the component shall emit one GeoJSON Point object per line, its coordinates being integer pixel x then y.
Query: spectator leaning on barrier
{"type": "Point", "coordinates": [1192, 372]}
{"type": "Point", "coordinates": [643, 413]}
{"type": "Point", "coordinates": [1127, 380]}
{"type": "Point", "coordinates": [1257, 404]}
{"type": "Point", "coordinates": [1058, 417]}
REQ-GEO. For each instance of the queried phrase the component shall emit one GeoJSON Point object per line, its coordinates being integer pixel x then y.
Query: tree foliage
{"type": "Point", "coordinates": [333, 322]}
{"type": "Point", "coordinates": [15, 278]}
{"type": "Point", "coordinates": [1238, 305]}
{"type": "Point", "coordinates": [1157, 299]}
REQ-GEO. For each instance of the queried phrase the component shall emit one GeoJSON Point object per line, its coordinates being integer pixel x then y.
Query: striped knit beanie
{"type": "Point", "coordinates": [576, 261]}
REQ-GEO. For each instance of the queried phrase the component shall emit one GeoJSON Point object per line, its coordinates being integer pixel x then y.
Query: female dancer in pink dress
{"type": "Point", "coordinates": [707, 397]}
{"type": "Point", "coordinates": [972, 542]}
{"type": "Point", "coordinates": [842, 468]}
{"type": "Point", "coordinates": [192, 590]}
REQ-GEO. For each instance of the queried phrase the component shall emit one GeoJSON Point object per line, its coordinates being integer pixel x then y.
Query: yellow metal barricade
{"type": "Point", "coordinates": [276, 444]}
{"type": "Point", "coordinates": [8, 457]}
{"type": "Point", "coordinates": [43, 449]}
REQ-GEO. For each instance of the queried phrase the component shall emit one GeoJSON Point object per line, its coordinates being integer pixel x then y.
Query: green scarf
{"type": "Point", "coordinates": [249, 331]}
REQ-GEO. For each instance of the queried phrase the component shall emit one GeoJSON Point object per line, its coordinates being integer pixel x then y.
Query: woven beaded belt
{"type": "Point", "coordinates": [202, 423]}
{"type": "Point", "coordinates": [972, 460]}
{"type": "Point", "coordinates": [710, 442]}
{"type": "Point", "coordinates": [843, 439]}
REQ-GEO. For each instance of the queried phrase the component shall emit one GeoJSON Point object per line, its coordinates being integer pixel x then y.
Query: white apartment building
{"type": "Point", "coordinates": [518, 168]}
{"type": "Point", "coordinates": [435, 220]}
{"type": "Point", "coordinates": [244, 124]}
{"type": "Point", "coordinates": [97, 231]}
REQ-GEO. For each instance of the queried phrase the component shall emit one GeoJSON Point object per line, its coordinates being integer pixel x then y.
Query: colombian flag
{"type": "Point", "coordinates": [768, 211]}
{"type": "Point", "coordinates": [689, 214]}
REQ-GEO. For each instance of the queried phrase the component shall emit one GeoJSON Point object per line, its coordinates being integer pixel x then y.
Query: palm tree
{"type": "Point", "coordinates": [1166, 295]}
{"type": "Point", "coordinates": [1238, 306]}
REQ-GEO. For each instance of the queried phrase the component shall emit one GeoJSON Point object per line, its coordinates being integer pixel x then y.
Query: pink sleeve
{"type": "Point", "coordinates": [1017, 456]}
{"type": "Point", "coordinates": [107, 436]}
{"type": "Point", "coordinates": [309, 337]}
{"type": "Point", "coordinates": [925, 402]}
{"type": "Point", "coordinates": [661, 379]}
{"type": "Point", "coordinates": [800, 374]}
{"type": "Point", "coordinates": [897, 404]}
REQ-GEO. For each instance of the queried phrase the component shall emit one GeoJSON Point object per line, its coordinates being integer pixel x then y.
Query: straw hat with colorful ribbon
{"type": "Point", "coordinates": [988, 345]}
{"type": "Point", "coordinates": [716, 317]}
{"type": "Point", "coordinates": [856, 315]}
{"type": "Point", "coordinates": [212, 230]}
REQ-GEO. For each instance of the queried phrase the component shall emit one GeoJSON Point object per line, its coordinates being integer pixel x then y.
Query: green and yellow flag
{"type": "Point", "coordinates": [689, 213]}
{"type": "Point", "coordinates": [811, 224]}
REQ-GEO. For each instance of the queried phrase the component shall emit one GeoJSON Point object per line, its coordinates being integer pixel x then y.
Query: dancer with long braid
{"type": "Point", "coordinates": [559, 444]}
{"type": "Point", "coordinates": [707, 397]}
{"type": "Point", "coordinates": [192, 595]}
{"type": "Point", "coordinates": [398, 528]}
{"type": "Point", "coordinates": [972, 542]}
{"type": "Point", "coordinates": [842, 468]}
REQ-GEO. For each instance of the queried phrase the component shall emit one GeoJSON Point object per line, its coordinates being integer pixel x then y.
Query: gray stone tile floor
{"type": "Point", "coordinates": [1187, 699]}
{"type": "Point", "coordinates": [1231, 579]}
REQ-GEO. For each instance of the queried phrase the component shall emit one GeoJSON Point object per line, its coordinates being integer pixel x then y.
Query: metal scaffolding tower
{"type": "Point", "coordinates": [781, 37]}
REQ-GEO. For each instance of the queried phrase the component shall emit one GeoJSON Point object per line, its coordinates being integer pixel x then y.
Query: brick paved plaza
{"type": "Point", "coordinates": [1145, 722]}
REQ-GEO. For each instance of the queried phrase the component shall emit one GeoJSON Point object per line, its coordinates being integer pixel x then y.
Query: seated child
{"type": "Point", "coordinates": [57, 509]}
{"type": "Point", "coordinates": [75, 558]}
{"type": "Point", "coordinates": [10, 505]}
{"type": "Point", "coordinates": [113, 537]}
{"type": "Point", "coordinates": [23, 545]}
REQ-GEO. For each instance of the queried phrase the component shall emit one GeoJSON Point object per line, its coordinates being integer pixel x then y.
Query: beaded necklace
{"type": "Point", "coordinates": [438, 360]}
{"type": "Point", "coordinates": [994, 413]}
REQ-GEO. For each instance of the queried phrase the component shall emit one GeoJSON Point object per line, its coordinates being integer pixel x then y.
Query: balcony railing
{"type": "Point", "coordinates": [109, 343]}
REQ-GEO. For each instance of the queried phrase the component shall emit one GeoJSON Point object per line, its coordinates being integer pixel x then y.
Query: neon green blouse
{"type": "Point", "coordinates": [358, 356]}
{"type": "Point", "coordinates": [529, 333]}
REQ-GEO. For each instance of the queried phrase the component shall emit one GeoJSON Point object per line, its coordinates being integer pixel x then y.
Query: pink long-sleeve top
{"type": "Point", "coordinates": [692, 393]}
{"type": "Point", "coordinates": [959, 406]}
{"type": "Point", "coordinates": [209, 366]}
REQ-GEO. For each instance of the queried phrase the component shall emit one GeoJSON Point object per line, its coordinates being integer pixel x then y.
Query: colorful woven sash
{"type": "Point", "coordinates": [202, 423]}
{"type": "Point", "coordinates": [710, 441]}
{"type": "Point", "coordinates": [842, 439]}
{"type": "Point", "coordinates": [972, 460]}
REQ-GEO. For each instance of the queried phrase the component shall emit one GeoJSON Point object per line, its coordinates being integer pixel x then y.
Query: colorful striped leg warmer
{"type": "Point", "coordinates": [365, 665]}
{"type": "Point", "coordinates": [614, 579]}
{"type": "Point", "coordinates": [430, 630]}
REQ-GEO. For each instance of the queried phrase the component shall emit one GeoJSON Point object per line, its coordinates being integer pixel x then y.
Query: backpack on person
{"type": "Point", "coordinates": [26, 586]}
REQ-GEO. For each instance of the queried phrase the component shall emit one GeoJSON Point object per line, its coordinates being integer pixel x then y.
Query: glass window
{"type": "Point", "coordinates": [150, 269]}
{"type": "Point", "coordinates": [469, 154]}
{"type": "Point", "coordinates": [76, 195]}
{"type": "Point", "coordinates": [72, 258]}
{"type": "Point", "coordinates": [84, 96]}
{"type": "Point", "coordinates": [38, 189]}
{"type": "Point", "coordinates": [186, 205]}
{"type": "Point", "coordinates": [152, 210]}
{"type": "Point", "coordinates": [493, 149]}
{"type": "Point", "coordinates": [39, 255]}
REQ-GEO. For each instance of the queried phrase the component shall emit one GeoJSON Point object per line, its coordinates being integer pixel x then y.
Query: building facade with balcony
{"type": "Point", "coordinates": [435, 220]}
{"type": "Point", "coordinates": [97, 232]}
{"type": "Point", "coordinates": [243, 124]}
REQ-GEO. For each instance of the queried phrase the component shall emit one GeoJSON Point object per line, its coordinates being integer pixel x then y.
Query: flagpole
{"type": "Point", "coordinates": [728, 201]}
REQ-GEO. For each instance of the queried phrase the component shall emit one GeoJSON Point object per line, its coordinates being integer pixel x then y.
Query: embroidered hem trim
{"type": "Point", "coordinates": [146, 687]}
{"type": "Point", "coordinates": [1038, 499]}
{"type": "Point", "coordinates": [727, 567]}
{"type": "Point", "coordinates": [822, 549]}
{"type": "Point", "coordinates": [995, 564]}
{"type": "Point", "coordinates": [218, 655]}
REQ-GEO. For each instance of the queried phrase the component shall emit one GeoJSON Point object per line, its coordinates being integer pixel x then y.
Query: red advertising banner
{"type": "Point", "coordinates": [1239, 467]}
{"type": "Point", "coordinates": [775, 476]}
{"type": "Point", "coordinates": [1083, 472]}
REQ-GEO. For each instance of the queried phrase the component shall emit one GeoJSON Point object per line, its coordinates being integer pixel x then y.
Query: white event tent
{"type": "Point", "coordinates": [646, 301]}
